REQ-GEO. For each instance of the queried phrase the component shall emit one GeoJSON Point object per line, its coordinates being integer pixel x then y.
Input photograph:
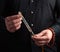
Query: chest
{"type": "Point", "coordinates": [37, 7]}
{"type": "Point", "coordinates": [38, 13]}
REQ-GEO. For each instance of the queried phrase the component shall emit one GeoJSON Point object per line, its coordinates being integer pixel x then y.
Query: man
{"type": "Point", "coordinates": [40, 14]}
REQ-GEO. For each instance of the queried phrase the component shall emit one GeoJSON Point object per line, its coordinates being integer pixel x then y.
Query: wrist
{"type": "Point", "coordinates": [53, 37]}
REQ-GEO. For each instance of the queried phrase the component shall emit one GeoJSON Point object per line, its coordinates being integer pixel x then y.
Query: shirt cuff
{"type": "Point", "coordinates": [52, 42]}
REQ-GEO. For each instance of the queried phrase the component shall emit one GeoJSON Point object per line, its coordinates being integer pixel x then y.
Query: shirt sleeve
{"type": "Point", "coordinates": [56, 26]}
{"type": "Point", "coordinates": [2, 24]}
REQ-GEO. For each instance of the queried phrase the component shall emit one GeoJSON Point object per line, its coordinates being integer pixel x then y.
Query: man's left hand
{"type": "Point", "coordinates": [43, 37]}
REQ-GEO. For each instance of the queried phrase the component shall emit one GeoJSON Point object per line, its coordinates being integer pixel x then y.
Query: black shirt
{"type": "Point", "coordinates": [40, 14]}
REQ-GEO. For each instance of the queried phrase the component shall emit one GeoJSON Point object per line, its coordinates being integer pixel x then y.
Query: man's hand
{"type": "Point", "coordinates": [43, 37]}
{"type": "Point", "coordinates": [13, 23]}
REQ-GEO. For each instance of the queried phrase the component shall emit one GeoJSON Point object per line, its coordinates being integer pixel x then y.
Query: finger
{"type": "Point", "coordinates": [42, 33]}
{"type": "Point", "coordinates": [42, 42]}
{"type": "Point", "coordinates": [18, 27]}
{"type": "Point", "coordinates": [38, 44]}
{"type": "Point", "coordinates": [44, 38]}
{"type": "Point", "coordinates": [21, 19]}
{"type": "Point", "coordinates": [12, 30]}
{"type": "Point", "coordinates": [45, 41]}
{"type": "Point", "coordinates": [9, 18]}
{"type": "Point", "coordinates": [15, 25]}
{"type": "Point", "coordinates": [35, 38]}
{"type": "Point", "coordinates": [14, 21]}
{"type": "Point", "coordinates": [17, 20]}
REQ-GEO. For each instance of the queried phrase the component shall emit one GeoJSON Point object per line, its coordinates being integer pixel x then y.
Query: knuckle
{"type": "Point", "coordinates": [20, 22]}
{"type": "Point", "coordinates": [17, 27]}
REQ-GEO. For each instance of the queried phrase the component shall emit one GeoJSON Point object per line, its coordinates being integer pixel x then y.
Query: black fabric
{"type": "Point", "coordinates": [42, 18]}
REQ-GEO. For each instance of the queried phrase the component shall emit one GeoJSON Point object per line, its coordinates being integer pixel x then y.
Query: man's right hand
{"type": "Point", "coordinates": [13, 23]}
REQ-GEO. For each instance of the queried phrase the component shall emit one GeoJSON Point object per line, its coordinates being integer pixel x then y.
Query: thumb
{"type": "Point", "coordinates": [42, 33]}
{"type": "Point", "coordinates": [19, 13]}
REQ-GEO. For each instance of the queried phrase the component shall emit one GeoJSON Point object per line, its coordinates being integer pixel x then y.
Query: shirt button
{"type": "Point", "coordinates": [32, 12]}
{"type": "Point", "coordinates": [32, 0]}
{"type": "Point", "coordinates": [32, 25]}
